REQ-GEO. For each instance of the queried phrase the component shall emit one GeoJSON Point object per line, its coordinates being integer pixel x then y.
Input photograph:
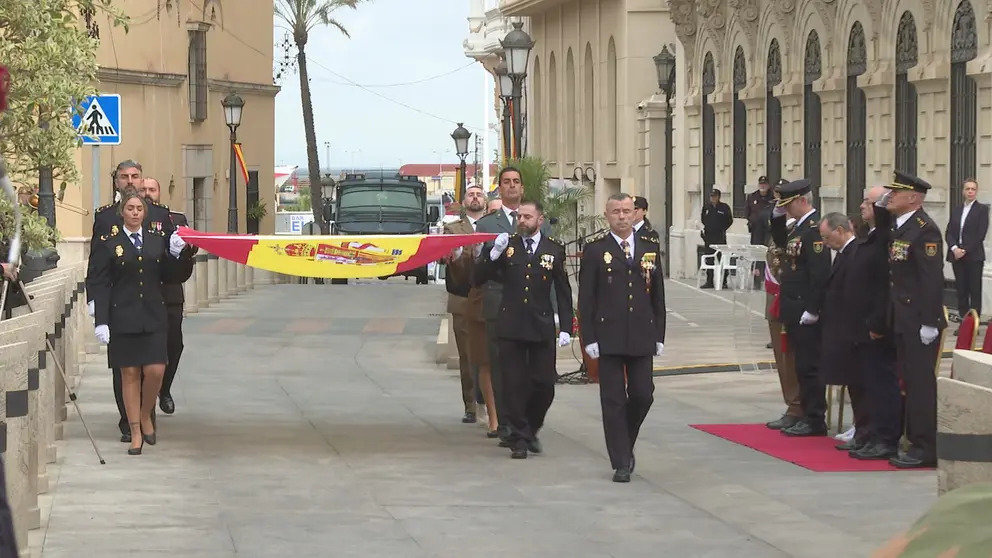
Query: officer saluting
{"type": "Point", "coordinates": [528, 264]}
{"type": "Point", "coordinates": [805, 270]}
{"type": "Point", "coordinates": [622, 317]}
{"type": "Point", "coordinates": [917, 280]}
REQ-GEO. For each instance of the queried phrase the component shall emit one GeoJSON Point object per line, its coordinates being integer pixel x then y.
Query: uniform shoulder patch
{"type": "Point", "coordinates": [162, 205]}
{"type": "Point", "coordinates": [921, 221]}
{"type": "Point", "coordinates": [600, 236]}
{"type": "Point", "coordinates": [647, 238]}
{"type": "Point", "coordinates": [930, 248]}
{"type": "Point", "coordinates": [104, 208]}
{"type": "Point", "coordinates": [556, 241]}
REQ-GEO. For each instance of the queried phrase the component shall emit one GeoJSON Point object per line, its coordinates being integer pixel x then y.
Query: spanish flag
{"type": "Point", "coordinates": [241, 161]}
{"type": "Point", "coordinates": [332, 257]}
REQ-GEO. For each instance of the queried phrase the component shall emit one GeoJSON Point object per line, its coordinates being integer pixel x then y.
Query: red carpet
{"type": "Point", "coordinates": [816, 454]}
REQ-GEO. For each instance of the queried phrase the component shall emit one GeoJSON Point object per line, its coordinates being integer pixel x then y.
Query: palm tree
{"type": "Point", "coordinates": [561, 204]}
{"type": "Point", "coordinates": [301, 16]}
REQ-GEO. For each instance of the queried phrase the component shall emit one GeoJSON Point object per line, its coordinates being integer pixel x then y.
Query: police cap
{"type": "Point", "coordinates": [792, 190]}
{"type": "Point", "coordinates": [640, 202]}
{"type": "Point", "coordinates": [904, 181]}
{"type": "Point", "coordinates": [762, 179]}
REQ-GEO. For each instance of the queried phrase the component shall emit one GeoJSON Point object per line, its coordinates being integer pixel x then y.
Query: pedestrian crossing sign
{"type": "Point", "coordinates": [99, 122]}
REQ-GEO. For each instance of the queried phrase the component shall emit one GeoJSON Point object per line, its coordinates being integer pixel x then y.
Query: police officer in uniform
{"type": "Point", "coordinates": [642, 226]}
{"type": "Point", "coordinates": [527, 264]}
{"type": "Point", "coordinates": [127, 175]}
{"type": "Point", "coordinates": [917, 280]}
{"type": "Point", "coordinates": [622, 314]}
{"type": "Point", "coordinates": [805, 270]}
{"type": "Point", "coordinates": [175, 298]}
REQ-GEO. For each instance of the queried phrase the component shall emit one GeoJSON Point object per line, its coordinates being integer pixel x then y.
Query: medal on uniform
{"type": "Point", "coordinates": [647, 266]}
{"type": "Point", "coordinates": [607, 258]}
{"type": "Point", "coordinates": [114, 230]}
{"type": "Point", "coordinates": [119, 250]}
{"type": "Point", "coordinates": [509, 252]}
{"type": "Point", "coordinates": [547, 261]}
{"type": "Point", "coordinates": [156, 226]}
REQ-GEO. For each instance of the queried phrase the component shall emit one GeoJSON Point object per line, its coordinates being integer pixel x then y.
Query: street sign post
{"type": "Point", "coordinates": [98, 124]}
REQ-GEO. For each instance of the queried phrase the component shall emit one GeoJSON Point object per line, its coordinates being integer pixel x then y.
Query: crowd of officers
{"type": "Point", "coordinates": [134, 290]}
{"type": "Point", "coordinates": [511, 305]}
{"type": "Point", "coordinates": [861, 309]}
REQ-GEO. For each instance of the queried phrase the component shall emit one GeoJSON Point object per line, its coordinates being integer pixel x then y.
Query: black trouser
{"type": "Point", "coordinates": [805, 343]}
{"type": "Point", "coordinates": [918, 363]}
{"type": "Point", "coordinates": [174, 346]}
{"type": "Point", "coordinates": [493, 343]}
{"type": "Point", "coordinates": [624, 406]}
{"type": "Point", "coordinates": [862, 413]}
{"type": "Point", "coordinates": [968, 283]}
{"type": "Point", "coordinates": [529, 387]}
{"type": "Point", "coordinates": [877, 364]}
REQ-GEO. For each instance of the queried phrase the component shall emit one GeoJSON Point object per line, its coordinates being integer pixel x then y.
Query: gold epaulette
{"type": "Point", "coordinates": [921, 222]}
{"type": "Point", "coordinates": [600, 236]}
{"type": "Point", "coordinates": [556, 241]}
{"type": "Point", "coordinates": [104, 208]}
{"type": "Point", "coordinates": [647, 238]}
{"type": "Point", "coordinates": [162, 205]}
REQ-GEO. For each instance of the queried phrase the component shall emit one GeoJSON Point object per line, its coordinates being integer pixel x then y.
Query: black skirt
{"type": "Point", "coordinates": [140, 349]}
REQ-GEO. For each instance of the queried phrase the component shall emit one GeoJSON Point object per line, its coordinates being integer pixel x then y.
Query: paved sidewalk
{"type": "Point", "coordinates": [312, 422]}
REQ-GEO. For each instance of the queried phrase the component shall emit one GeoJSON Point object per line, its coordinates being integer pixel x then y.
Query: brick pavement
{"type": "Point", "coordinates": [296, 438]}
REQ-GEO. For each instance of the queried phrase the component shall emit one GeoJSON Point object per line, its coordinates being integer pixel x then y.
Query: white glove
{"type": "Point", "coordinates": [92, 308]}
{"type": "Point", "coordinates": [176, 244]}
{"type": "Point", "coordinates": [778, 211]}
{"type": "Point", "coordinates": [659, 348]}
{"type": "Point", "coordinates": [502, 241]}
{"type": "Point", "coordinates": [102, 334]}
{"type": "Point", "coordinates": [593, 350]}
{"type": "Point", "coordinates": [883, 201]}
{"type": "Point", "coordinates": [477, 251]}
{"type": "Point", "coordinates": [457, 253]}
{"type": "Point", "coordinates": [564, 339]}
{"type": "Point", "coordinates": [928, 334]}
{"type": "Point", "coordinates": [808, 319]}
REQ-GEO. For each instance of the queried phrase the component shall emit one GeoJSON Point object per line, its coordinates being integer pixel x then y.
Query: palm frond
{"type": "Point", "coordinates": [560, 204]}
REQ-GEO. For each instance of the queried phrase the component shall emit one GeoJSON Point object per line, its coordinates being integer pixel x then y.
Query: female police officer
{"type": "Point", "coordinates": [129, 312]}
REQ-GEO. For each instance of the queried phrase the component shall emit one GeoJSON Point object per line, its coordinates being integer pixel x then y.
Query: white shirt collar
{"type": "Point", "coordinates": [804, 217]}
{"type": "Point", "coordinates": [507, 211]}
{"type": "Point", "coordinates": [629, 239]}
{"type": "Point", "coordinates": [536, 237]}
{"type": "Point", "coordinates": [846, 244]}
{"type": "Point", "coordinates": [901, 220]}
{"type": "Point", "coordinates": [637, 227]}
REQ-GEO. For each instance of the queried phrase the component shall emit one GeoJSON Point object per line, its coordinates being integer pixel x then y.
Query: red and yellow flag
{"type": "Point", "coordinates": [241, 161]}
{"type": "Point", "coordinates": [332, 257]}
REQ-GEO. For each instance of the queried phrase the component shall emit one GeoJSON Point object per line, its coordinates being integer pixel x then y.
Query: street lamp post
{"type": "Point", "coordinates": [516, 52]}
{"type": "Point", "coordinates": [233, 106]}
{"type": "Point", "coordinates": [461, 137]}
{"type": "Point", "coordinates": [664, 63]}
{"type": "Point", "coordinates": [505, 86]}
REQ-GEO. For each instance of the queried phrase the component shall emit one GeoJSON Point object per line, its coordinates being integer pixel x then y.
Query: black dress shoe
{"type": "Point", "coordinates": [166, 403]}
{"type": "Point", "coordinates": [126, 438]}
{"type": "Point", "coordinates": [518, 453]}
{"type": "Point", "coordinates": [469, 417]}
{"type": "Point", "coordinates": [910, 461]}
{"type": "Point", "coordinates": [125, 431]}
{"type": "Point", "coordinates": [535, 446]}
{"type": "Point", "coordinates": [492, 434]}
{"type": "Point", "coordinates": [633, 462]}
{"type": "Point", "coordinates": [622, 475]}
{"type": "Point", "coordinates": [504, 444]}
{"type": "Point", "coordinates": [150, 439]}
{"type": "Point", "coordinates": [874, 451]}
{"type": "Point", "coordinates": [803, 429]}
{"type": "Point", "coordinates": [851, 445]}
{"type": "Point", "coordinates": [785, 421]}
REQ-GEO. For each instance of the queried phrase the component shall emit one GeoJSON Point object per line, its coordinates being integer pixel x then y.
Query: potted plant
{"type": "Point", "coordinates": [38, 240]}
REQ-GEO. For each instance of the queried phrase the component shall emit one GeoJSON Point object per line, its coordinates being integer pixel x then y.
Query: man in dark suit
{"type": "Point", "coordinates": [502, 220]}
{"type": "Point", "coordinates": [917, 312]}
{"type": "Point", "coordinates": [642, 226]}
{"type": "Point", "coordinates": [622, 315]}
{"type": "Point", "coordinates": [528, 264]}
{"type": "Point", "coordinates": [805, 269]}
{"type": "Point", "coordinates": [758, 211]}
{"type": "Point", "coordinates": [716, 217]}
{"type": "Point", "coordinates": [965, 236]}
{"type": "Point", "coordinates": [175, 299]}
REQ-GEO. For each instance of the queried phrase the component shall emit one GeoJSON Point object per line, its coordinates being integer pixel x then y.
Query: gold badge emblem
{"type": "Point", "coordinates": [607, 258]}
{"type": "Point", "coordinates": [931, 249]}
{"type": "Point", "coordinates": [547, 261]}
{"type": "Point", "coordinates": [119, 250]}
{"type": "Point", "coordinates": [114, 230]}
{"type": "Point", "coordinates": [509, 252]}
{"type": "Point", "coordinates": [818, 246]}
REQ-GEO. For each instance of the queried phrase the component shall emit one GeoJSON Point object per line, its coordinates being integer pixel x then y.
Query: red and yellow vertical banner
{"type": "Point", "coordinates": [241, 161]}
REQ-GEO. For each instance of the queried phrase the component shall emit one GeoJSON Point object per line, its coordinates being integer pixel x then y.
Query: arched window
{"type": "Point", "coordinates": [589, 110]}
{"type": "Point", "coordinates": [709, 127]}
{"type": "Point", "coordinates": [964, 101]}
{"type": "Point", "coordinates": [773, 115]}
{"type": "Point", "coordinates": [857, 116]}
{"type": "Point", "coordinates": [740, 133]}
{"type": "Point", "coordinates": [907, 56]}
{"type": "Point", "coordinates": [571, 138]}
{"type": "Point", "coordinates": [812, 122]}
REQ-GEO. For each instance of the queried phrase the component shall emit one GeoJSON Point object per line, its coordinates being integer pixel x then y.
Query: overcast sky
{"type": "Point", "coordinates": [392, 42]}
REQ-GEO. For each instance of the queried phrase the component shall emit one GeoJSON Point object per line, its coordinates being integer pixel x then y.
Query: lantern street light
{"type": "Point", "coordinates": [233, 107]}
{"type": "Point", "coordinates": [505, 86]}
{"type": "Point", "coordinates": [516, 54]}
{"type": "Point", "coordinates": [461, 137]}
{"type": "Point", "coordinates": [664, 62]}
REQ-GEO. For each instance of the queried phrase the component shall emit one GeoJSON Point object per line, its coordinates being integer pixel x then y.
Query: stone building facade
{"type": "Point", "coordinates": [841, 92]}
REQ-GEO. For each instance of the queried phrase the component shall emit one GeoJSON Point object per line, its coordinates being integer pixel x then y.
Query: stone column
{"type": "Point", "coordinates": [880, 152]}
{"type": "Point", "coordinates": [232, 277]}
{"type": "Point", "coordinates": [213, 279]}
{"type": "Point", "coordinates": [16, 437]}
{"type": "Point", "coordinates": [754, 104]}
{"type": "Point", "coordinates": [932, 80]}
{"type": "Point", "coordinates": [242, 283]}
{"type": "Point", "coordinates": [222, 282]}
{"type": "Point", "coordinates": [980, 70]}
{"type": "Point", "coordinates": [790, 97]}
{"type": "Point", "coordinates": [202, 275]}
{"type": "Point", "coordinates": [723, 126]}
{"type": "Point", "coordinates": [190, 295]}
{"type": "Point", "coordinates": [249, 277]}
{"type": "Point", "coordinates": [832, 91]}
{"type": "Point", "coordinates": [685, 208]}
{"type": "Point", "coordinates": [653, 158]}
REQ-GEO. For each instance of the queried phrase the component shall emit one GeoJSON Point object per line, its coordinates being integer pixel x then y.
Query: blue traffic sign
{"type": "Point", "coordinates": [100, 122]}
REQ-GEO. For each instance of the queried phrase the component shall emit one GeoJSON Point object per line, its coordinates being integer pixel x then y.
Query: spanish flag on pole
{"type": "Point", "coordinates": [332, 257]}
{"type": "Point", "coordinates": [241, 161]}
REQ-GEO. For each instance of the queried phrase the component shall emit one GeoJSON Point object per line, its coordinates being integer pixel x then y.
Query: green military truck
{"type": "Point", "coordinates": [378, 204]}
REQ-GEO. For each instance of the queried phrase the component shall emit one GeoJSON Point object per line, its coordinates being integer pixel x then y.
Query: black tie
{"type": "Point", "coordinates": [513, 218]}
{"type": "Point", "coordinates": [137, 240]}
{"type": "Point", "coordinates": [530, 246]}
{"type": "Point", "coordinates": [626, 252]}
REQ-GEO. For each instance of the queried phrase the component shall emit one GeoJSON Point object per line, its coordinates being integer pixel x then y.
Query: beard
{"type": "Point", "coordinates": [524, 230]}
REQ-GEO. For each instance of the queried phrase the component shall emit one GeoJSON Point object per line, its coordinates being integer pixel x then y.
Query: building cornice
{"type": "Point", "coordinates": [225, 85]}
{"type": "Point", "coordinates": [136, 77]}
{"type": "Point", "coordinates": [527, 7]}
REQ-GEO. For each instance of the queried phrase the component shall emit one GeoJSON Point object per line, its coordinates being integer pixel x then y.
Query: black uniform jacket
{"type": "Point", "coordinates": [648, 231]}
{"type": "Point", "coordinates": [173, 292]}
{"type": "Point", "coordinates": [126, 282]}
{"type": "Point", "coordinates": [525, 311]}
{"type": "Point", "coordinates": [621, 306]}
{"type": "Point", "coordinates": [109, 216]}
{"type": "Point", "coordinates": [805, 268]}
{"type": "Point", "coordinates": [916, 267]}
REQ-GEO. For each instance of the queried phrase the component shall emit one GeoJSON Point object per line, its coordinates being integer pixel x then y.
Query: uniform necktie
{"type": "Point", "coordinates": [137, 240]}
{"type": "Point", "coordinates": [513, 218]}
{"type": "Point", "coordinates": [530, 246]}
{"type": "Point", "coordinates": [626, 251]}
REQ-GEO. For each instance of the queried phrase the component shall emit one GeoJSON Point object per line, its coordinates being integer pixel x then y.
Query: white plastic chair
{"type": "Point", "coordinates": [709, 262]}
